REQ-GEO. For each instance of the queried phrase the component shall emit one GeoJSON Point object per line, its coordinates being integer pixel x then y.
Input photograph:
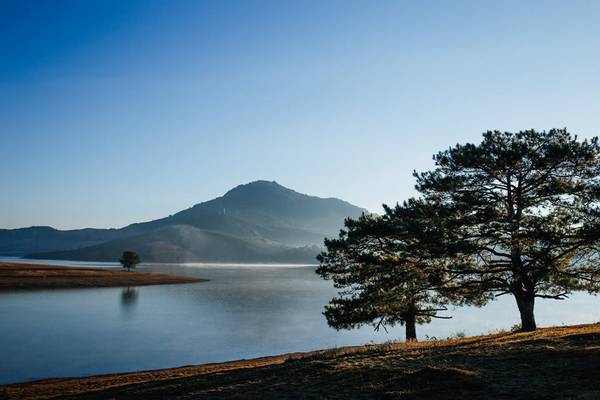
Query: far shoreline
{"type": "Point", "coordinates": [26, 276]}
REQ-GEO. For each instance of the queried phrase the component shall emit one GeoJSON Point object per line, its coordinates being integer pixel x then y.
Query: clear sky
{"type": "Point", "coordinates": [113, 112]}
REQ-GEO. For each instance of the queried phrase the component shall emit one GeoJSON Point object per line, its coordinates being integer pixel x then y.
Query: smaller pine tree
{"type": "Point", "coordinates": [384, 272]}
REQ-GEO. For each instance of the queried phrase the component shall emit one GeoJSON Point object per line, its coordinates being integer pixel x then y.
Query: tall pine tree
{"type": "Point", "coordinates": [524, 207]}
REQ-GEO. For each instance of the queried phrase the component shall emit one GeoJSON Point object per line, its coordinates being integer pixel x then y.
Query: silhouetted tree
{"type": "Point", "coordinates": [386, 272]}
{"type": "Point", "coordinates": [524, 206]}
{"type": "Point", "coordinates": [130, 259]}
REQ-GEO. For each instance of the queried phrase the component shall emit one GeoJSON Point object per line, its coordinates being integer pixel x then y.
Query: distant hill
{"type": "Point", "coordinates": [260, 221]}
{"type": "Point", "coordinates": [17, 242]}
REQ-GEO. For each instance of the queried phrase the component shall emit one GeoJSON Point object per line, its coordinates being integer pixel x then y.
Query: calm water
{"type": "Point", "coordinates": [244, 311]}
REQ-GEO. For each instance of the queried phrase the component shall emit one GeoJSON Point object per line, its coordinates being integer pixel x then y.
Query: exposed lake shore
{"type": "Point", "coordinates": [15, 276]}
{"type": "Point", "coordinates": [551, 363]}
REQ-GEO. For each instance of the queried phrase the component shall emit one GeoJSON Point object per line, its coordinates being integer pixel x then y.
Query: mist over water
{"type": "Point", "coordinates": [243, 311]}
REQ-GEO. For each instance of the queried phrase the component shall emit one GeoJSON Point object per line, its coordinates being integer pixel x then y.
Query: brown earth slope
{"type": "Point", "coordinates": [552, 363]}
{"type": "Point", "coordinates": [34, 276]}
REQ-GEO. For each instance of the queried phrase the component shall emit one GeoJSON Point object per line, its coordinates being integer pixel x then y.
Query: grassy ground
{"type": "Point", "coordinates": [551, 363]}
{"type": "Point", "coordinates": [33, 276]}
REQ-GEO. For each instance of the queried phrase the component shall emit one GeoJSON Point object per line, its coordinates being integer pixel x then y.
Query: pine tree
{"type": "Point", "coordinates": [524, 207]}
{"type": "Point", "coordinates": [384, 272]}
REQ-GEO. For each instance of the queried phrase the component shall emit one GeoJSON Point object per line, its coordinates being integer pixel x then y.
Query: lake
{"type": "Point", "coordinates": [244, 311]}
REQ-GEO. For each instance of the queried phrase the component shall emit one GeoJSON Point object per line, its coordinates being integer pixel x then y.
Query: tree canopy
{"type": "Point", "coordinates": [524, 206]}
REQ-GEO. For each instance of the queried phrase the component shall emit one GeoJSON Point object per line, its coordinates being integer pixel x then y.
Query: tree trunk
{"type": "Point", "coordinates": [526, 305]}
{"type": "Point", "coordinates": [411, 330]}
{"type": "Point", "coordinates": [410, 323]}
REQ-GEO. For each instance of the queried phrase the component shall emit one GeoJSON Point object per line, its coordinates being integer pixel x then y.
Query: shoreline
{"type": "Point", "coordinates": [561, 362]}
{"type": "Point", "coordinates": [28, 276]}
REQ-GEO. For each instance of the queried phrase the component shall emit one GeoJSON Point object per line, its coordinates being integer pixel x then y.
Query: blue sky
{"type": "Point", "coordinates": [113, 112]}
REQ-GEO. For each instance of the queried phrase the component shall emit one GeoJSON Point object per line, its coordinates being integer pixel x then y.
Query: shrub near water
{"type": "Point", "coordinates": [129, 260]}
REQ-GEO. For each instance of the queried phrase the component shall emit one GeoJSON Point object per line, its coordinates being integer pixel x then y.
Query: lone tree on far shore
{"type": "Point", "coordinates": [129, 260]}
{"type": "Point", "coordinates": [525, 206]}
{"type": "Point", "coordinates": [385, 273]}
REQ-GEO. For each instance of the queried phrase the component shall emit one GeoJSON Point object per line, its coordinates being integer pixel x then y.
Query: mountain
{"type": "Point", "coordinates": [260, 221]}
{"type": "Point", "coordinates": [17, 242]}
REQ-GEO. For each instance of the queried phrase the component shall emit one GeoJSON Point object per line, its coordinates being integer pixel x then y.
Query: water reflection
{"type": "Point", "coordinates": [129, 297]}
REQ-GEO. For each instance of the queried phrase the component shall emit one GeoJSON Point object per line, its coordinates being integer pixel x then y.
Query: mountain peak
{"type": "Point", "coordinates": [261, 183]}
{"type": "Point", "coordinates": [256, 187]}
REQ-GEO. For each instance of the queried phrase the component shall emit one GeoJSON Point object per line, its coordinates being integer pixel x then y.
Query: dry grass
{"type": "Point", "coordinates": [33, 276]}
{"type": "Point", "coordinates": [551, 363]}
